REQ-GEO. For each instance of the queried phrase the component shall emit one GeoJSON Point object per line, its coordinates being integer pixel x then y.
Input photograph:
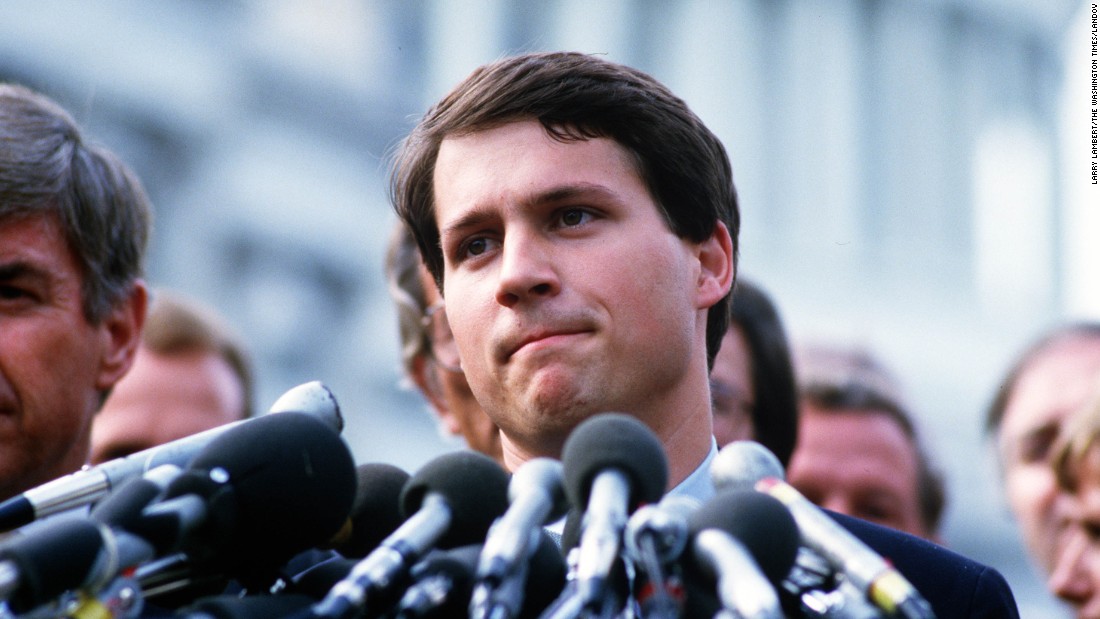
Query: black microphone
{"type": "Point", "coordinates": [376, 511]}
{"type": "Point", "coordinates": [449, 502]}
{"type": "Point", "coordinates": [537, 497]}
{"type": "Point", "coordinates": [612, 463]}
{"type": "Point", "coordinates": [90, 484]}
{"type": "Point", "coordinates": [64, 554]}
{"type": "Point", "coordinates": [375, 514]}
{"type": "Point", "coordinates": [880, 582]}
{"type": "Point", "coordinates": [745, 543]}
{"type": "Point", "coordinates": [442, 583]}
{"type": "Point", "coordinates": [255, 496]}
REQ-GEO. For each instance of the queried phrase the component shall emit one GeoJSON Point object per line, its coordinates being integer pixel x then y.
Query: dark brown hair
{"type": "Point", "coordinates": [577, 97]}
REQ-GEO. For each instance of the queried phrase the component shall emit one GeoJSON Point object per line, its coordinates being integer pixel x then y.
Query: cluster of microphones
{"type": "Point", "coordinates": [271, 518]}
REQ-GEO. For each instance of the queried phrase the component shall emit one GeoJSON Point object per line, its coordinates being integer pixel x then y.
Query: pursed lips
{"type": "Point", "coordinates": [540, 337]}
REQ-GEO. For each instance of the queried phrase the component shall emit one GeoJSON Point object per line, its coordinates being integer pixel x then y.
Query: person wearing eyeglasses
{"type": "Point", "coordinates": [428, 351]}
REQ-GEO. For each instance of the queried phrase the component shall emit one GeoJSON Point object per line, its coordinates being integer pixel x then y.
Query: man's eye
{"type": "Point", "coordinates": [476, 247]}
{"type": "Point", "coordinates": [574, 217]}
{"type": "Point", "coordinates": [12, 292]}
{"type": "Point", "coordinates": [1036, 447]}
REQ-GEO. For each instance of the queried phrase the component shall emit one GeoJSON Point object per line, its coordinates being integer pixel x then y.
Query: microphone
{"type": "Point", "coordinates": [449, 502]}
{"type": "Point", "coordinates": [611, 463]}
{"type": "Point", "coordinates": [64, 554]}
{"type": "Point", "coordinates": [90, 484]}
{"type": "Point", "coordinates": [745, 543]}
{"type": "Point", "coordinates": [663, 527]}
{"type": "Point", "coordinates": [537, 497]}
{"type": "Point", "coordinates": [258, 494]}
{"type": "Point", "coordinates": [740, 464]}
{"type": "Point", "coordinates": [376, 511]}
{"type": "Point", "coordinates": [441, 584]}
{"type": "Point", "coordinates": [655, 537]}
{"type": "Point", "coordinates": [883, 585]}
{"type": "Point", "coordinates": [69, 552]}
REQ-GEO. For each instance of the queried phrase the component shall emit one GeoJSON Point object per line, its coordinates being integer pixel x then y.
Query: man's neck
{"type": "Point", "coordinates": [687, 441]}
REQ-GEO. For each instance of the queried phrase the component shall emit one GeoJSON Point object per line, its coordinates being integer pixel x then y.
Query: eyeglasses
{"type": "Point", "coordinates": [441, 342]}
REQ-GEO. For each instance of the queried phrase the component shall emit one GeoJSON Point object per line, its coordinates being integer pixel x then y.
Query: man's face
{"type": "Point", "coordinates": [567, 293]}
{"type": "Point", "coordinates": [1076, 574]}
{"type": "Point", "coordinates": [732, 389]}
{"type": "Point", "coordinates": [858, 463]}
{"type": "Point", "coordinates": [1054, 385]}
{"type": "Point", "coordinates": [52, 360]}
{"type": "Point", "coordinates": [164, 398]}
{"type": "Point", "coordinates": [449, 392]}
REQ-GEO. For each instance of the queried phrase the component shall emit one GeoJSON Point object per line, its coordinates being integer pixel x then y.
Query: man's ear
{"type": "Point", "coordinates": [121, 332]}
{"type": "Point", "coordinates": [716, 267]}
{"type": "Point", "coordinates": [427, 381]}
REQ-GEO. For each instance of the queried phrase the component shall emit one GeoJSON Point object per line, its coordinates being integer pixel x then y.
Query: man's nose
{"type": "Point", "coordinates": [527, 269]}
{"type": "Point", "coordinates": [1070, 578]}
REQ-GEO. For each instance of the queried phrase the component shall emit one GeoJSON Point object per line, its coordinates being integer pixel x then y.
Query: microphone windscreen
{"type": "Point", "coordinates": [740, 464]}
{"type": "Point", "coordinates": [760, 522]}
{"type": "Point", "coordinates": [50, 559]}
{"type": "Point", "coordinates": [376, 511]}
{"type": "Point", "coordinates": [474, 486]}
{"type": "Point", "coordinates": [292, 483]}
{"type": "Point", "coordinates": [546, 573]}
{"type": "Point", "coordinates": [122, 507]}
{"type": "Point", "coordinates": [614, 441]}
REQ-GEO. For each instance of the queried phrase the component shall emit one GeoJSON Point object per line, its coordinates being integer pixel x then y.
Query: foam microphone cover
{"type": "Point", "coordinates": [759, 521]}
{"type": "Point", "coordinates": [475, 488]}
{"type": "Point", "coordinates": [290, 484]}
{"type": "Point", "coordinates": [376, 511]}
{"type": "Point", "coordinates": [546, 573]}
{"type": "Point", "coordinates": [51, 559]}
{"type": "Point", "coordinates": [614, 441]}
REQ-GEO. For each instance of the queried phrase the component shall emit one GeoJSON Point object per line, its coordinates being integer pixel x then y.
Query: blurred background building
{"type": "Point", "coordinates": [899, 162]}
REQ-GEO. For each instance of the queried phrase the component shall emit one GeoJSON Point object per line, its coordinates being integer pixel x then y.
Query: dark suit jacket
{"type": "Point", "coordinates": [954, 585]}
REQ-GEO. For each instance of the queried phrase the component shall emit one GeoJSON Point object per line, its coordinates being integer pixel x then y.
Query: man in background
{"type": "Point", "coordinates": [1075, 576]}
{"type": "Point", "coordinates": [74, 222]}
{"type": "Point", "coordinates": [1050, 380]}
{"type": "Point", "coordinates": [752, 382]}
{"type": "Point", "coordinates": [859, 452]}
{"type": "Point", "coordinates": [191, 373]}
{"type": "Point", "coordinates": [428, 352]}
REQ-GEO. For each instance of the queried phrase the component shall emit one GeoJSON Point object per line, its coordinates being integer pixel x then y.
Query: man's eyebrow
{"type": "Point", "coordinates": [478, 215]}
{"type": "Point", "coordinates": [570, 192]}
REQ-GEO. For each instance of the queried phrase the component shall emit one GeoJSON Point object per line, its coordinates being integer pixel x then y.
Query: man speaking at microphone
{"type": "Point", "coordinates": [581, 223]}
{"type": "Point", "coordinates": [74, 221]}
